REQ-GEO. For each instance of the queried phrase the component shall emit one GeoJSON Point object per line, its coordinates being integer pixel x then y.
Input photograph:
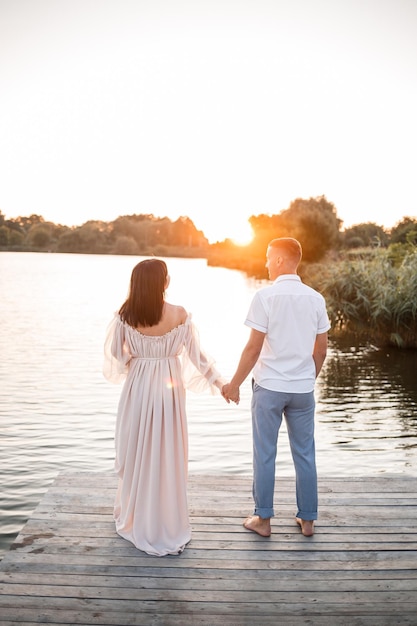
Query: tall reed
{"type": "Point", "coordinates": [372, 297]}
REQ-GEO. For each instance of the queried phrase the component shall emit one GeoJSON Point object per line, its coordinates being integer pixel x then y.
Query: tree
{"type": "Point", "coordinates": [39, 235]}
{"type": "Point", "coordinates": [125, 245]}
{"type": "Point", "coordinates": [146, 230]}
{"type": "Point", "coordinates": [25, 223]}
{"type": "Point", "coordinates": [366, 234]}
{"type": "Point", "coordinates": [90, 238]}
{"type": "Point", "coordinates": [401, 231]}
{"type": "Point", "coordinates": [16, 238]}
{"type": "Point", "coordinates": [4, 236]}
{"type": "Point", "coordinates": [315, 224]}
{"type": "Point", "coordinates": [185, 234]}
{"type": "Point", "coordinates": [265, 227]}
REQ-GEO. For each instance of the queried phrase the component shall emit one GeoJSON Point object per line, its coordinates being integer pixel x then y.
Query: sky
{"type": "Point", "coordinates": [212, 109]}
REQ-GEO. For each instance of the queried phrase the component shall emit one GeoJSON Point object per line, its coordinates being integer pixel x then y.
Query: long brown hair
{"type": "Point", "coordinates": [145, 301]}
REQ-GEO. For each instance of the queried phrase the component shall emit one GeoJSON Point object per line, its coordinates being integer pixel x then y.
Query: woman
{"type": "Point", "coordinates": [153, 345]}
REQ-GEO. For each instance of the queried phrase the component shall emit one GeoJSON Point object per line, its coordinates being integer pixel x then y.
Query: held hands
{"type": "Point", "coordinates": [230, 392]}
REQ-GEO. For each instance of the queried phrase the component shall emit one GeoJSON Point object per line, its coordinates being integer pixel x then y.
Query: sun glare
{"type": "Point", "coordinates": [243, 235]}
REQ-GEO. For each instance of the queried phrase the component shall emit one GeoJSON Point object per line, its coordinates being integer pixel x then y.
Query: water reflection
{"type": "Point", "coordinates": [368, 397]}
{"type": "Point", "coordinates": [365, 372]}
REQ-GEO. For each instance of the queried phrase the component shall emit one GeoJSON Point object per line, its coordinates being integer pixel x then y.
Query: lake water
{"type": "Point", "coordinates": [57, 412]}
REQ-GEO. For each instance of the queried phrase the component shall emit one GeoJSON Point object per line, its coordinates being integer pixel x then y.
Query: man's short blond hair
{"type": "Point", "coordinates": [289, 246]}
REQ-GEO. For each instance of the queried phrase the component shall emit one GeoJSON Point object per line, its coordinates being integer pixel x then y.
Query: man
{"type": "Point", "coordinates": [286, 350]}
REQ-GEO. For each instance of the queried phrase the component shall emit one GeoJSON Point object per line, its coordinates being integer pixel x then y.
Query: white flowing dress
{"type": "Point", "coordinates": [151, 438]}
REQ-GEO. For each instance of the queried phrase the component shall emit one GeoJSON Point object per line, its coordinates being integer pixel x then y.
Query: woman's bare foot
{"type": "Point", "coordinates": [307, 526]}
{"type": "Point", "coordinates": [259, 525]}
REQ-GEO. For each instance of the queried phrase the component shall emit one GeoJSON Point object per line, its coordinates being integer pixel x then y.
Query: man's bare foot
{"type": "Point", "coordinates": [307, 526]}
{"type": "Point", "coordinates": [259, 525]}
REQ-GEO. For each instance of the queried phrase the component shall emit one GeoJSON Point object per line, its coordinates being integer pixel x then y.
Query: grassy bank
{"type": "Point", "coordinates": [371, 296]}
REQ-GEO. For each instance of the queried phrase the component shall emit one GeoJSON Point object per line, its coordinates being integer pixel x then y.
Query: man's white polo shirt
{"type": "Point", "coordinates": [291, 314]}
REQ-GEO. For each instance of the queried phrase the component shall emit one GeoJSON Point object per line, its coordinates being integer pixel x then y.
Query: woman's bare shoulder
{"type": "Point", "coordinates": [178, 312]}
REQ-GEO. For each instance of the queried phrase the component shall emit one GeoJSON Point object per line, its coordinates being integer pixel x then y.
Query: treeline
{"type": "Point", "coordinates": [314, 222]}
{"type": "Point", "coordinates": [368, 274]}
{"type": "Point", "coordinates": [128, 234]}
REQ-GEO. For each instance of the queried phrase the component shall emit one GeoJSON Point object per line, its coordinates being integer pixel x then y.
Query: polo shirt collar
{"type": "Point", "coordinates": [287, 277]}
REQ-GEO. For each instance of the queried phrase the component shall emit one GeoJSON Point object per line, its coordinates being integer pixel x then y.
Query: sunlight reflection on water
{"type": "Point", "coordinates": [58, 412]}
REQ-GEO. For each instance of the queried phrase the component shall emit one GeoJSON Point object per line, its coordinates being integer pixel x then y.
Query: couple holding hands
{"type": "Point", "coordinates": [153, 347]}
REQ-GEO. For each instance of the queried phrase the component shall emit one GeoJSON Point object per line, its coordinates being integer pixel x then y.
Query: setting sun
{"type": "Point", "coordinates": [243, 234]}
{"type": "Point", "coordinates": [232, 225]}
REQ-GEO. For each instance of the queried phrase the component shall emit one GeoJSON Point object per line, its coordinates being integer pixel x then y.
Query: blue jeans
{"type": "Point", "coordinates": [268, 407]}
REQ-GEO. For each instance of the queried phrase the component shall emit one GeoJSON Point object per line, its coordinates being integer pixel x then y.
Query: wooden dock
{"type": "Point", "coordinates": [68, 566]}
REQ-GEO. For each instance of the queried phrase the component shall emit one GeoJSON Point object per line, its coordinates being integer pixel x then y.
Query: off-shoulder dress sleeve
{"type": "Point", "coordinates": [198, 368]}
{"type": "Point", "coordinates": [116, 354]}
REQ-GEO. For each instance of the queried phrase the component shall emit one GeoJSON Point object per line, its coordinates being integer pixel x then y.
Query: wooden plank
{"type": "Point", "coordinates": [186, 570]}
{"type": "Point", "coordinates": [247, 561]}
{"type": "Point", "coordinates": [25, 616]}
{"type": "Point", "coordinates": [194, 595]}
{"type": "Point", "coordinates": [236, 532]}
{"type": "Point", "coordinates": [152, 578]}
{"type": "Point", "coordinates": [297, 606]}
{"type": "Point", "coordinates": [204, 542]}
